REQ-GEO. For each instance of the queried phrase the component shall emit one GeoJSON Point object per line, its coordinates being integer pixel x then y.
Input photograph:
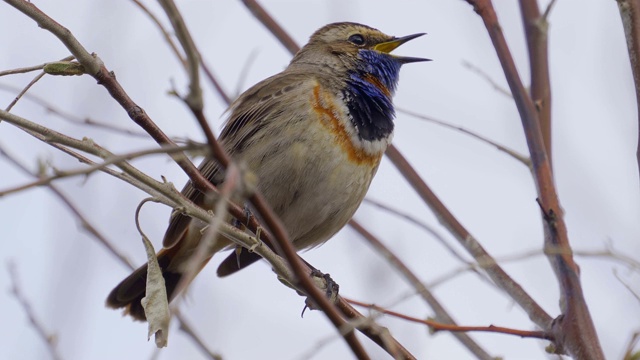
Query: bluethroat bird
{"type": "Point", "coordinates": [313, 134]}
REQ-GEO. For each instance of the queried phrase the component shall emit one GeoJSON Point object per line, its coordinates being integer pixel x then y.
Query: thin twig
{"type": "Point", "coordinates": [624, 283]}
{"type": "Point", "coordinates": [71, 117]}
{"type": "Point", "coordinates": [608, 254]}
{"type": "Point", "coordinates": [441, 313]}
{"type": "Point", "coordinates": [38, 326]}
{"type": "Point", "coordinates": [432, 231]}
{"type": "Point", "coordinates": [170, 196]}
{"type": "Point", "coordinates": [273, 27]}
{"type": "Point", "coordinates": [476, 70]}
{"type": "Point", "coordinates": [468, 241]}
{"type": "Point", "coordinates": [194, 98]}
{"type": "Point", "coordinates": [180, 57]}
{"type": "Point", "coordinates": [86, 224]}
{"type": "Point", "coordinates": [165, 192]}
{"type": "Point", "coordinates": [61, 174]}
{"type": "Point", "coordinates": [165, 33]}
{"type": "Point", "coordinates": [516, 155]}
{"type": "Point", "coordinates": [96, 68]}
{"type": "Point", "coordinates": [24, 91]}
{"type": "Point", "coordinates": [188, 329]}
{"type": "Point", "coordinates": [214, 81]}
{"type": "Point", "coordinates": [22, 70]}
{"type": "Point", "coordinates": [245, 71]}
{"type": "Point", "coordinates": [439, 326]}
{"type": "Point", "coordinates": [209, 242]}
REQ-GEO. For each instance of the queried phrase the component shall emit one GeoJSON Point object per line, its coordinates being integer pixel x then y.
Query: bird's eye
{"type": "Point", "coordinates": [357, 39]}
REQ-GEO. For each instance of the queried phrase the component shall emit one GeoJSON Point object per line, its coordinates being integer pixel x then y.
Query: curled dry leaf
{"type": "Point", "coordinates": [155, 304]}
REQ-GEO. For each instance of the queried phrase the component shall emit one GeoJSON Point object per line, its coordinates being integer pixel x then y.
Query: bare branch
{"type": "Point", "coordinates": [630, 14]}
{"type": "Point", "coordinates": [24, 91]}
{"type": "Point", "coordinates": [86, 224]}
{"type": "Point", "coordinates": [429, 229]}
{"type": "Point", "coordinates": [61, 174]}
{"type": "Point", "coordinates": [574, 329]}
{"type": "Point", "coordinates": [71, 117]}
{"type": "Point", "coordinates": [516, 155]}
{"type": "Point", "coordinates": [495, 272]}
{"type": "Point", "coordinates": [624, 283]}
{"type": "Point", "coordinates": [455, 329]}
{"type": "Point", "coordinates": [165, 34]}
{"type": "Point", "coordinates": [187, 329]}
{"type": "Point", "coordinates": [536, 30]}
{"type": "Point", "coordinates": [273, 27]}
{"type": "Point", "coordinates": [194, 98]}
{"type": "Point", "coordinates": [441, 313]}
{"type": "Point", "coordinates": [23, 70]}
{"type": "Point", "coordinates": [476, 70]}
{"type": "Point", "coordinates": [49, 339]}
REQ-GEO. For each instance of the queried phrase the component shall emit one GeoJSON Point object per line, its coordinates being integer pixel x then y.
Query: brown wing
{"type": "Point", "coordinates": [253, 110]}
{"type": "Point", "coordinates": [179, 223]}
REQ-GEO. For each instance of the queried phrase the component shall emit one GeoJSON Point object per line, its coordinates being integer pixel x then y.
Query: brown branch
{"type": "Point", "coordinates": [630, 14]}
{"type": "Point", "coordinates": [267, 20]}
{"type": "Point", "coordinates": [194, 98]}
{"type": "Point", "coordinates": [439, 326]}
{"type": "Point", "coordinates": [165, 33]}
{"type": "Point", "coordinates": [181, 58]}
{"type": "Point", "coordinates": [373, 331]}
{"type": "Point", "coordinates": [536, 30]}
{"type": "Point", "coordinates": [214, 81]}
{"type": "Point", "coordinates": [52, 136]}
{"type": "Point", "coordinates": [495, 272]}
{"type": "Point", "coordinates": [96, 68]}
{"type": "Point", "coordinates": [61, 174]}
{"type": "Point", "coordinates": [441, 313]}
{"type": "Point", "coordinates": [573, 330]}
{"type": "Point", "coordinates": [159, 191]}
{"type": "Point", "coordinates": [303, 279]}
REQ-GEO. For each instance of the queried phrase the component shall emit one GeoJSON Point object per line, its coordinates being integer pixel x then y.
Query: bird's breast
{"type": "Point", "coordinates": [334, 117]}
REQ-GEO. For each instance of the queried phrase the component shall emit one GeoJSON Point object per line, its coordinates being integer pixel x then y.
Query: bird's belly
{"type": "Point", "coordinates": [313, 185]}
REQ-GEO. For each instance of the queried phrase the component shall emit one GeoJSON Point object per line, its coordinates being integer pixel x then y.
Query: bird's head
{"type": "Point", "coordinates": [351, 39]}
{"type": "Point", "coordinates": [349, 48]}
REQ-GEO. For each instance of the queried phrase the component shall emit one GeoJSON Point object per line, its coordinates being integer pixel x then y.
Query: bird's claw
{"type": "Point", "coordinates": [323, 281]}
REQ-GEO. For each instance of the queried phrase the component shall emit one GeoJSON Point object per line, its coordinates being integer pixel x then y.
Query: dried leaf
{"type": "Point", "coordinates": [155, 303]}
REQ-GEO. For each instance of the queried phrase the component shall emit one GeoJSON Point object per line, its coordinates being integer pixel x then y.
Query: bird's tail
{"type": "Point", "coordinates": [129, 293]}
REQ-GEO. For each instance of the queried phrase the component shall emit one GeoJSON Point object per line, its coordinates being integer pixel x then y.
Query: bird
{"type": "Point", "coordinates": [313, 134]}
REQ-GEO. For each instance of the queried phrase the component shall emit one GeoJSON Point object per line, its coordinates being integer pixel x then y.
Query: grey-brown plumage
{"type": "Point", "coordinates": [313, 134]}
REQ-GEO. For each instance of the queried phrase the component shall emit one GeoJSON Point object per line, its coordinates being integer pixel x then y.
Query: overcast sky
{"type": "Point", "coordinates": [66, 274]}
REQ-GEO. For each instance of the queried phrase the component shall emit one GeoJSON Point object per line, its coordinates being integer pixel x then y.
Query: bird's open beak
{"type": "Point", "coordinates": [389, 46]}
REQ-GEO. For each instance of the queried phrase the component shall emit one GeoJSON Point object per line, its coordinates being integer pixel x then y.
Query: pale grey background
{"type": "Point", "coordinates": [66, 275]}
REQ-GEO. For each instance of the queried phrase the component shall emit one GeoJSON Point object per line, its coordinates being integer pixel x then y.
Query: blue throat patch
{"type": "Point", "coordinates": [368, 94]}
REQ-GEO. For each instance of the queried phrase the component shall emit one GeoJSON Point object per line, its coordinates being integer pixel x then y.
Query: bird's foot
{"type": "Point", "coordinates": [322, 281]}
